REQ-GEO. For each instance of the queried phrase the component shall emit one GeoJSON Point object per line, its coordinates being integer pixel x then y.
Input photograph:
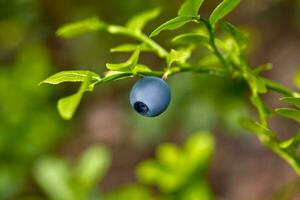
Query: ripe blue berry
{"type": "Point", "coordinates": [150, 96]}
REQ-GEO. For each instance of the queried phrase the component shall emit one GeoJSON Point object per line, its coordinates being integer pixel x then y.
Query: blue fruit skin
{"type": "Point", "coordinates": [154, 93]}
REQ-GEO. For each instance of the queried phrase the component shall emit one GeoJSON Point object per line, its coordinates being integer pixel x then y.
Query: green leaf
{"type": "Point", "coordinates": [71, 76]}
{"type": "Point", "coordinates": [238, 35]}
{"type": "Point", "coordinates": [278, 87]}
{"type": "Point", "coordinates": [199, 148]}
{"type": "Point", "coordinates": [73, 29]}
{"type": "Point", "coordinates": [140, 68]}
{"type": "Point", "coordinates": [68, 105]}
{"type": "Point", "coordinates": [127, 65]}
{"type": "Point", "coordinates": [116, 75]}
{"type": "Point", "coordinates": [256, 84]}
{"type": "Point", "coordinates": [131, 48]}
{"type": "Point", "coordinates": [139, 21]}
{"type": "Point", "coordinates": [297, 79]}
{"type": "Point", "coordinates": [191, 38]}
{"type": "Point", "coordinates": [289, 113]}
{"type": "Point", "coordinates": [114, 29]}
{"type": "Point", "coordinates": [292, 143]}
{"type": "Point", "coordinates": [255, 127]}
{"type": "Point", "coordinates": [148, 171]}
{"type": "Point", "coordinates": [261, 107]}
{"type": "Point", "coordinates": [292, 100]}
{"type": "Point", "coordinates": [129, 191]}
{"type": "Point", "coordinates": [172, 24]}
{"type": "Point", "coordinates": [92, 166]}
{"type": "Point", "coordinates": [180, 56]}
{"type": "Point", "coordinates": [53, 176]}
{"type": "Point", "coordinates": [169, 155]}
{"type": "Point", "coordinates": [263, 67]}
{"type": "Point", "coordinates": [190, 8]}
{"type": "Point", "coordinates": [222, 10]}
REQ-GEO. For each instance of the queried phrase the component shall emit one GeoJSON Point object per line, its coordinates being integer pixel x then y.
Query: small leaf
{"type": "Point", "coordinates": [190, 8]}
{"type": "Point", "coordinates": [256, 84]}
{"type": "Point", "coordinates": [297, 79]}
{"type": "Point", "coordinates": [292, 143]}
{"type": "Point", "coordinates": [180, 56]}
{"type": "Point", "coordinates": [127, 65]}
{"type": "Point", "coordinates": [191, 38]}
{"type": "Point", "coordinates": [286, 143]}
{"type": "Point", "coordinates": [92, 166]}
{"type": "Point", "coordinates": [238, 35]}
{"type": "Point", "coordinates": [292, 100]}
{"type": "Point", "coordinates": [148, 171]}
{"type": "Point", "coordinates": [172, 24]}
{"type": "Point", "coordinates": [71, 76]}
{"type": "Point", "coordinates": [68, 105]}
{"type": "Point", "coordinates": [199, 148]}
{"type": "Point", "coordinates": [73, 29]}
{"type": "Point", "coordinates": [116, 75]}
{"type": "Point", "coordinates": [263, 67]}
{"type": "Point", "coordinates": [278, 87]}
{"type": "Point", "coordinates": [222, 10]}
{"type": "Point", "coordinates": [289, 113]}
{"type": "Point", "coordinates": [257, 128]}
{"type": "Point", "coordinates": [53, 176]}
{"type": "Point", "coordinates": [130, 48]}
{"type": "Point", "coordinates": [261, 107]}
{"type": "Point", "coordinates": [113, 29]}
{"type": "Point", "coordinates": [139, 21]}
{"type": "Point", "coordinates": [141, 68]}
{"type": "Point", "coordinates": [169, 155]}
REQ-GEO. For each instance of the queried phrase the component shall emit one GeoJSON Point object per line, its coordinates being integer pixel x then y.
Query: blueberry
{"type": "Point", "coordinates": [150, 96]}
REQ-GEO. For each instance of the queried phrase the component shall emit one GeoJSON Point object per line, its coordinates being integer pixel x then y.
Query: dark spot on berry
{"type": "Point", "coordinates": [140, 107]}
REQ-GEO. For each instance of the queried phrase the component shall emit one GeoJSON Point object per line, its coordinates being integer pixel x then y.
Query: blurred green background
{"type": "Point", "coordinates": [109, 152]}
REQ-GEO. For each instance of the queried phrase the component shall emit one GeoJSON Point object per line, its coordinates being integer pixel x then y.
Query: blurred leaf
{"type": "Point", "coordinates": [91, 168]}
{"type": "Point", "coordinates": [199, 147]}
{"type": "Point", "coordinates": [130, 48]}
{"type": "Point", "coordinates": [140, 68]}
{"type": "Point", "coordinates": [71, 76]}
{"type": "Point", "coordinates": [74, 29]}
{"type": "Point", "coordinates": [262, 110]}
{"type": "Point", "coordinates": [68, 105]}
{"type": "Point", "coordinates": [127, 65]}
{"type": "Point", "coordinates": [169, 155]}
{"type": "Point", "coordinates": [292, 143]}
{"type": "Point", "coordinates": [237, 34]}
{"type": "Point", "coordinates": [116, 75]}
{"type": "Point", "coordinates": [197, 191]}
{"type": "Point", "coordinates": [52, 175]}
{"type": "Point", "coordinates": [297, 79]}
{"type": "Point", "coordinates": [292, 100]}
{"type": "Point", "coordinates": [148, 171]}
{"type": "Point", "coordinates": [191, 38]}
{"type": "Point", "coordinates": [278, 87]}
{"type": "Point", "coordinates": [256, 84]}
{"type": "Point", "coordinates": [129, 192]}
{"type": "Point", "coordinates": [224, 8]}
{"type": "Point", "coordinates": [139, 21]}
{"type": "Point", "coordinates": [289, 113]}
{"type": "Point", "coordinates": [180, 56]}
{"type": "Point", "coordinates": [190, 8]}
{"type": "Point", "coordinates": [256, 128]}
{"type": "Point", "coordinates": [114, 29]}
{"type": "Point", "coordinates": [174, 166]}
{"type": "Point", "coordinates": [263, 67]}
{"type": "Point", "coordinates": [172, 24]}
